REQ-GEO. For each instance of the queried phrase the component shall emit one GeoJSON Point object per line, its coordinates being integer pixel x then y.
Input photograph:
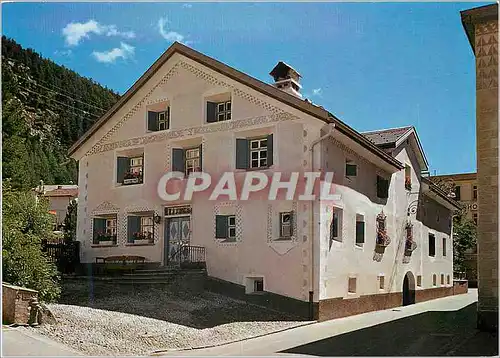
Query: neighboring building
{"type": "Point", "coordinates": [481, 27]}
{"type": "Point", "coordinates": [385, 242]}
{"type": "Point", "coordinates": [59, 197]}
{"type": "Point", "coordinates": [465, 191]}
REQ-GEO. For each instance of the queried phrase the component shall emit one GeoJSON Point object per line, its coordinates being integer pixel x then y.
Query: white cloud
{"type": "Point", "coordinates": [189, 6]}
{"type": "Point", "coordinates": [63, 52]}
{"type": "Point", "coordinates": [317, 92]}
{"type": "Point", "coordinates": [74, 32]}
{"type": "Point", "coordinates": [168, 35]}
{"type": "Point", "coordinates": [124, 51]}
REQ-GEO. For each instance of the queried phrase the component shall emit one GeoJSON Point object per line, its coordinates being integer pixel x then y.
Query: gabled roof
{"type": "Point", "coordinates": [391, 139]}
{"type": "Point", "coordinates": [62, 192]}
{"type": "Point", "coordinates": [266, 89]}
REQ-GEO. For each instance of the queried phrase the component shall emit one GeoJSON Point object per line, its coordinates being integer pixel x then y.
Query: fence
{"type": "Point", "coordinates": [66, 255]}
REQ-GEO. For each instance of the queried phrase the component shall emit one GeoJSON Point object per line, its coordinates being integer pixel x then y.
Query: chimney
{"type": "Point", "coordinates": [286, 78]}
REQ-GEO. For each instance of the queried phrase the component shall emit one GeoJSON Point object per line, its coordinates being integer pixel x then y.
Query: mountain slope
{"type": "Point", "coordinates": [45, 108]}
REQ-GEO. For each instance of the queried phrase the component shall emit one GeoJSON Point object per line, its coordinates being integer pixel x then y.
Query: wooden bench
{"type": "Point", "coordinates": [120, 263]}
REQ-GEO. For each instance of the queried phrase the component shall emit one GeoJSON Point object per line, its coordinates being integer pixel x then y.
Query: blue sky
{"type": "Point", "coordinates": [372, 65]}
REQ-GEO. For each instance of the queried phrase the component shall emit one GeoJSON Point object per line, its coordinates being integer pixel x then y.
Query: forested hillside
{"type": "Point", "coordinates": [45, 109]}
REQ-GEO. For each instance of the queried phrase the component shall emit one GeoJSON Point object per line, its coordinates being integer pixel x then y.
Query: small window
{"type": "Point", "coordinates": [442, 279]}
{"type": "Point", "coordinates": [447, 279]}
{"type": "Point", "coordinates": [407, 177]}
{"type": "Point", "coordinates": [474, 218]}
{"type": "Point", "coordinates": [130, 170]}
{"type": "Point", "coordinates": [286, 225]}
{"type": "Point", "coordinates": [218, 111]}
{"type": "Point", "coordinates": [432, 245]}
{"type": "Point", "coordinates": [381, 282]}
{"type": "Point", "coordinates": [351, 169]}
{"type": "Point", "coordinates": [434, 280]}
{"type": "Point", "coordinates": [225, 227]}
{"type": "Point", "coordinates": [159, 121]}
{"type": "Point", "coordinates": [351, 285]}
{"type": "Point", "coordinates": [382, 187]}
{"type": "Point", "coordinates": [254, 285]}
{"type": "Point", "coordinates": [336, 225]}
{"type": "Point", "coordinates": [419, 281]}
{"type": "Point", "coordinates": [474, 192]}
{"type": "Point", "coordinates": [360, 230]}
{"type": "Point", "coordinates": [457, 192]}
{"type": "Point", "coordinates": [444, 247]}
{"type": "Point", "coordinates": [258, 153]}
{"type": "Point", "coordinates": [258, 285]}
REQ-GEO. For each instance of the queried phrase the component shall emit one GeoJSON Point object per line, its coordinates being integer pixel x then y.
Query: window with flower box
{"type": "Point", "coordinates": [105, 230]}
{"type": "Point", "coordinates": [140, 228]}
{"type": "Point", "coordinates": [130, 170]}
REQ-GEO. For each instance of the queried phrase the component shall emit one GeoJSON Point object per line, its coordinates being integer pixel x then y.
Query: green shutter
{"type": "Point", "coordinates": [211, 112]}
{"type": "Point", "coordinates": [360, 232]}
{"type": "Point", "coordinates": [382, 187]}
{"type": "Point", "coordinates": [291, 217]}
{"type": "Point", "coordinates": [133, 226]}
{"type": "Point", "coordinates": [350, 170]}
{"type": "Point", "coordinates": [221, 227]}
{"type": "Point", "coordinates": [242, 153]}
{"type": "Point", "coordinates": [269, 150]}
{"type": "Point", "coordinates": [152, 121]}
{"type": "Point", "coordinates": [122, 166]}
{"type": "Point", "coordinates": [99, 227]}
{"type": "Point", "coordinates": [178, 160]}
{"type": "Point", "coordinates": [200, 148]}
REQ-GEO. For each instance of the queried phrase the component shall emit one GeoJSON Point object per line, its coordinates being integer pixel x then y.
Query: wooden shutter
{"type": "Point", "coordinates": [382, 187]}
{"type": "Point", "coordinates": [178, 160]}
{"type": "Point", "coordinates": [152, 121]}
{"type": "Point", "coordinates": [269, 150]}
{"type": "Point", "coordinates": [122, 166]}
{"type": "Point", "coordinates": [242, 153]}
{"type": "Point", "coordinates": [211, 112]}
{"type": "Point", "coordinates": [133, 226]}
{"type": "Point", "coordinates": [201, 156]}
{"type": "Point", "coordinates": [221, 227]}
{"type": "Point", "coordinates": [360, 232]}
{"type": "Point", "coordinates": [99, 227]}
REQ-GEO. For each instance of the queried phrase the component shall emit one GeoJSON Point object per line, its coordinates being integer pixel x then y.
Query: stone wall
{"type": "Point", "coordinates": [16, 304]}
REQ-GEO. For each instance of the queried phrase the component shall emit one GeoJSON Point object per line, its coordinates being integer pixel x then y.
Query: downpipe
{"type": "Point", "coordinates": [313, 224]}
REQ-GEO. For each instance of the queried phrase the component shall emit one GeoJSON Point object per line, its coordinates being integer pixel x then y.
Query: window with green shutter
{"type": "Point", "coordinates": [351, 169]}
{"type": "Point", "coordinates": [140, 227]}
{"type": "Point", "coordinates": [360, 230]}
{"type": "Point", "coordinates": [254, 153]}
{"type": "Point", "coordinates": [159, 121]}
{"type": "Point", "coordinates": [225, 227]}
{"type": "Point", "coordinates": [187, 160]}
{"type": "Point", "coordinates": [129, 170]}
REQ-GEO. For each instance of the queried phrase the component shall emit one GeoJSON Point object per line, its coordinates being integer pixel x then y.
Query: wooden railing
{"type": "Point", "coordinates": [66, 255]}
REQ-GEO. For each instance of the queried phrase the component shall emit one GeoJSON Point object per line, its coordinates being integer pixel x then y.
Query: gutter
{"type": "Point", "coordinates": [313, 224]}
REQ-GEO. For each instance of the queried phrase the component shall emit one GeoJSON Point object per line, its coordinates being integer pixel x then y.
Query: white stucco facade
{"type": "Point", "coordinates": [308, 260]}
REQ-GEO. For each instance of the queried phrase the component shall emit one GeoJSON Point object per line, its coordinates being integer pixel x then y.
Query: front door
{"type": "Point", "coordinates": [177, 234]}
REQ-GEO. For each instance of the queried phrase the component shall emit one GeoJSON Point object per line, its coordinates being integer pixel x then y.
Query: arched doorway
{"type": "Point", "coordinates": [408, 289]}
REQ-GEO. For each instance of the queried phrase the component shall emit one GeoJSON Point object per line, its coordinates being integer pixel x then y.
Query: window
{"type": "Point", "coordinates": [474, 192]}
{"type": "Point", "coordinates": [434, 280]}
{"type": "Point", "coordinates": [442, 279]}
{"type": "Point", "coordinates": [258, 285]}
{"type": "Point", "coordinates": [381, 282]}
{"type": "Point", "coordinates": [254, 285]}
{"type": "Point", "coordinates": [474, 218]}
{"type": "Point", "coordinates": [105, 230]}
{"type": "Point", "coordinates": [351, 168]}
{"type": "Point", "coordinates": [351, 285]}
{"type": "Point", "coordinates": [407, 177]}
{"type": "Point", "coordinates": [225, 227]}
{"type": "Point", "coordinates": [254, 153]}
{"type": "Point", "coordinates": [419, 281]}
{"type": "Point", "coordinates": [360, 230]}
{"type": "Point", "coordinates": [382, 187]}
{"type": "Point", "coordinates": [187, 160]}
{"type": "Point", "coordinates": [286, 230]}
{"type": "Point", "coordinates": [218, 111]}
{"type": "Point", "coordinates": [140, 227]}
{"type": "Point", "coordinates": [457, 192]}
{"type": "Point", "coordinates": [432, 245]}
{"type": "Point", "coordinates": [444, 247]}
{"type": "Point", "coordinates": [447, 279]}
{"type": "Point", "coordinates": [159, 121]}
{"type": "Point", "coordinates": [130, 170]}
{"type": "Point", "coordinates": [336, 225]}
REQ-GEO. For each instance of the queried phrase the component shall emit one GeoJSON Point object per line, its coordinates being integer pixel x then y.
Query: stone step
{"type": "Point", "coordinates": [165, 273]}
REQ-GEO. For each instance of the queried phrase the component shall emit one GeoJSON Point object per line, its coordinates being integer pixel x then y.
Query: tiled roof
{"type": "Point", "coordinates": [386, 136]}
{"type": "Point", "coordinates": [62, 192]}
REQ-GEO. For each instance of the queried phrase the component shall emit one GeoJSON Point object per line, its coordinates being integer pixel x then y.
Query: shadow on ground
{"type": "Point", "coordinates": [436, 333]}
{"type": "Point", "coordinates": [193, 309]}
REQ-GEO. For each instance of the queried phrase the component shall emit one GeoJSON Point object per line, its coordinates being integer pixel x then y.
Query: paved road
{"type": "Point", "coordinates": [20, 342]}
{"type": "Point", "coordinates": [444, 326]}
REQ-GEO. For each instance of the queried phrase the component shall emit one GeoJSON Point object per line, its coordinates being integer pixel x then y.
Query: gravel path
{"type": "Point", "coordinates": [182, 321]}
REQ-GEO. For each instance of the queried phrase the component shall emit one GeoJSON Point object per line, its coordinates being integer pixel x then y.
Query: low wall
{"type": "Point", "coordinates": [460, 287]}
{"type": "Point", "coordinates": [16, 304]}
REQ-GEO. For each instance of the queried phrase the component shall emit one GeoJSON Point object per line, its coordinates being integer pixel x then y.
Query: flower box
{"type": "Point", "coordinates": [408, 183]}
{"type": "Point", "coordinates": [142, 242]}
{"type": "Point", "coordinates": [131, 181]}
